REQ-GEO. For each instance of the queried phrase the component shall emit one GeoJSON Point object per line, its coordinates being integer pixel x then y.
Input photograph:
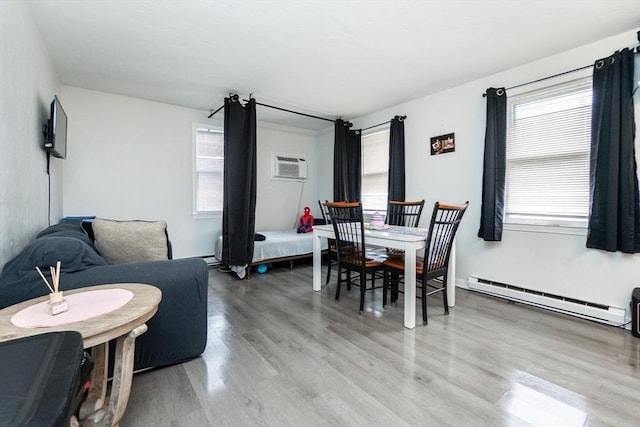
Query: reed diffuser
{"type": "Point", "coordinates": [57, 304]}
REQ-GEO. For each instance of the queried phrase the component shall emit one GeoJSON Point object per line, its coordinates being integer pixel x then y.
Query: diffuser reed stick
{"type": "Point", "coordinates": [57, 303]}
{"type": "Point", "coordinates": [57, 276]}
{"type": "Point", "coordinates": [45, 279]}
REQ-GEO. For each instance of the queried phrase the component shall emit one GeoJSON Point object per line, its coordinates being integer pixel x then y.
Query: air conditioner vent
{"type": "Point", "coordinates": [289, 167]}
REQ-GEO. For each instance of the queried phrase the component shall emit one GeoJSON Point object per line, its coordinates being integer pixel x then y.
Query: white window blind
{"type": "Point", "coordinates": [209, 170]}
{"type": "Point", "coordinates": [375, 171]}
{"type": "Point", "coordinates": [548, 144]}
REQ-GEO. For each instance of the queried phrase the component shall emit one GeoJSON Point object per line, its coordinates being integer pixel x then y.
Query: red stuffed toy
{"type": "Point", "coordinates": [305, 225]}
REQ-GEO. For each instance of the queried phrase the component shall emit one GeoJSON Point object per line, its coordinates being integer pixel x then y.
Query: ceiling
{"type": "Point", "coordinates": [322, 57]}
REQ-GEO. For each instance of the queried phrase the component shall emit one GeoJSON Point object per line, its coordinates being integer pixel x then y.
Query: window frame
{"type": "Point", "coordinates": [542, 225]}
{"type": "Point", "coordinates": [194, 187]}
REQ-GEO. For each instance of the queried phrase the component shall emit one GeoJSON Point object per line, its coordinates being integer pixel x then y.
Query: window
{"type": "Point", "coordinates": [375, 171]}
{"type": "Point", "coordinates": [548, 148]}
{"type": "Point", "coordinates": [209, 170]}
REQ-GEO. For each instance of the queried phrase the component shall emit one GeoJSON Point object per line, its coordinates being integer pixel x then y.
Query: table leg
{"type": "Point", "coordinates": [317, 263]}
{"type": "Point", "coordinates": [98, 390]}
{"type": "Point", "coordinates": [410, 289]}
{"type": "Point", "coordinates": [121, 383]}
{"type": "Point", "coordinates": [451, 277]}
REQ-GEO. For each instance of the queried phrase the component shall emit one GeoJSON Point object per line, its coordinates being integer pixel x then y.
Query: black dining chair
{"type": "Point", "coordinates": [432, 270]}
{"type": "Point", "coordinates": [350, 244]}
{"type": "Point", "coordinates": [404, 213]}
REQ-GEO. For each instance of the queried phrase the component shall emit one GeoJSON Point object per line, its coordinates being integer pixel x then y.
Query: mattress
{"type": "Point", "coordinates": [284, 243]}
{"type": "Point", "coordinates": [279, 244]}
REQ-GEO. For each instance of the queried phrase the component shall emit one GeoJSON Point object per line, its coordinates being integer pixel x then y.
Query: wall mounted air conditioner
{"type": "Point", "coordinates": [289, 167]}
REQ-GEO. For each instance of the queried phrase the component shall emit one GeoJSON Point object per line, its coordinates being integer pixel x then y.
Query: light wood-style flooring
{"type": "Point", "coordinates": [279, 354]}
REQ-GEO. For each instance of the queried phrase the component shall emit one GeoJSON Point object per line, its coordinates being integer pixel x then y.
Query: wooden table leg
{"type": "Point", "coordinates": [98, 390]}
{"type": "Point", "coordinates": [121, 383]}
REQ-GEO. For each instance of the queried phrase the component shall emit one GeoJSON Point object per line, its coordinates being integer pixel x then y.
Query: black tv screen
{"type": "Point", "coordinates": [56, 135]}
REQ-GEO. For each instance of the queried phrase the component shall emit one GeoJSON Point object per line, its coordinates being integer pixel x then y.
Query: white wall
{"type": "Point", "coordinates": [324, 150]}
{"type": "Point", "coordinates": [554, 263]}
{"type": "Point", "coordinates": [27, 86]}
{"type": "Point", "coordinates": [279, 203]}
{"type": "Point", "coordinates": [132, 159]}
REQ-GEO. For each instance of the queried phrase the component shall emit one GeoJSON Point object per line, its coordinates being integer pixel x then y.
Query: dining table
{"type": "Point", "coordinates": [408, 239]}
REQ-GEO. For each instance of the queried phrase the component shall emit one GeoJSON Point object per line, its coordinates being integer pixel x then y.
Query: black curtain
{"type": "Point", "coordinates": [614, 219]}
{"type": "Point", "coordinates": [493, 177]}
{"type": "Point", "coordinates": [396, 160]}
{"type": "Point", "coordinates": [347, 153]}
{"type": "Point", "coordinates": [239, 200]}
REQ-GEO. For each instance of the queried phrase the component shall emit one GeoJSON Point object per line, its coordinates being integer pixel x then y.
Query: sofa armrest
{"type": "Point", "coordinates": [178, 331]}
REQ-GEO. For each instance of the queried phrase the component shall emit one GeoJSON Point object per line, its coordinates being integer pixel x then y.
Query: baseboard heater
{"type": "Point", "coordinates": [574, 307]}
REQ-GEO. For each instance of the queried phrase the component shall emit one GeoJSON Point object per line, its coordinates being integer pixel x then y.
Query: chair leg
{"type": "Point", "coordinates": [444, 294]}
{"type": "Point", "coordinates": [363, 288]}
{"type": "Point", "coordinates": [424, 303]}
{"type": "Point", "coordinates": [395, 279]}
{"type": "Point", "coordinates": [328, 270]}
{"type": "Point", "coordinates": [339, 282]}
{"type": "Point", "coordinates": [385, 284]}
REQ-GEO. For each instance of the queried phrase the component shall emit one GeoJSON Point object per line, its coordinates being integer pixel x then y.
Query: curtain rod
{"type": "Point", "coordinates": [214, 112]}
{"type": "Point", "coordinates": [635, 51]}
{"type": "Point", "coordinates": [347, 123]}
{"type": "Point", "coordinates": [294, 112]}
{"type": "Point", "coordinates": [383, 123]}
{"type": "Point", "coordinates": [545, 78]}
{"type": "Point", "coordinates": [235, 98]}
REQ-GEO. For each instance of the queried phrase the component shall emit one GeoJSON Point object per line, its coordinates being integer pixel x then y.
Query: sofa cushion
{"type": "Point", "coordinates": [121, 242]}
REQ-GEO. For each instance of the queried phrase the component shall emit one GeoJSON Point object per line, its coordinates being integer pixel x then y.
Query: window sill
{"type": "Point", "coordinates": [206, 215]}
{"type": "Point", "coordinates": [550, 229]}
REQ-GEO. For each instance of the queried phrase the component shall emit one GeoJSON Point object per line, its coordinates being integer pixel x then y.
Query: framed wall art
{"type": "Point", "coordinates": [443, 144]}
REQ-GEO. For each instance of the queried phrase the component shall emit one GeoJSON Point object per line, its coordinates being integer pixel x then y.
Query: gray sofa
{"type": "Point", "coordinates": [177, 332]}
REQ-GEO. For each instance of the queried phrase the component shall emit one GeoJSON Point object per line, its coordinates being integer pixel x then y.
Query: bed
{"type": "Point", "coordinates": [283, 245]}
{"type": "Point", "coordinates": [279, 246]}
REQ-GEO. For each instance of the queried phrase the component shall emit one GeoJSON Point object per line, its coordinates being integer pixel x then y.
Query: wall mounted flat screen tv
{"type": "Point", "coordinates": [55, 139]}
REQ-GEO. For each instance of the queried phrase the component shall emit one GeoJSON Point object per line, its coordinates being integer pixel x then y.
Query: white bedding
{"type": "Point", "coordinates": [283, 243]}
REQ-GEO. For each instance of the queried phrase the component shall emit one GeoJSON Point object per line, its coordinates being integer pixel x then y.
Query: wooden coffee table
{"type": "Point", "coordinates": [123, 325]}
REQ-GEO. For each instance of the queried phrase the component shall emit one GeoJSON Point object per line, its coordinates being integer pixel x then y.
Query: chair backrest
{"type": "Point", "coordinates": [442, 231]}
{"type": "Point", "coordinates": [325, 211]}
{"type": "Point", "coordinates": [348, 227]}
{"type": "Point", "coordinates": [404, 213]}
